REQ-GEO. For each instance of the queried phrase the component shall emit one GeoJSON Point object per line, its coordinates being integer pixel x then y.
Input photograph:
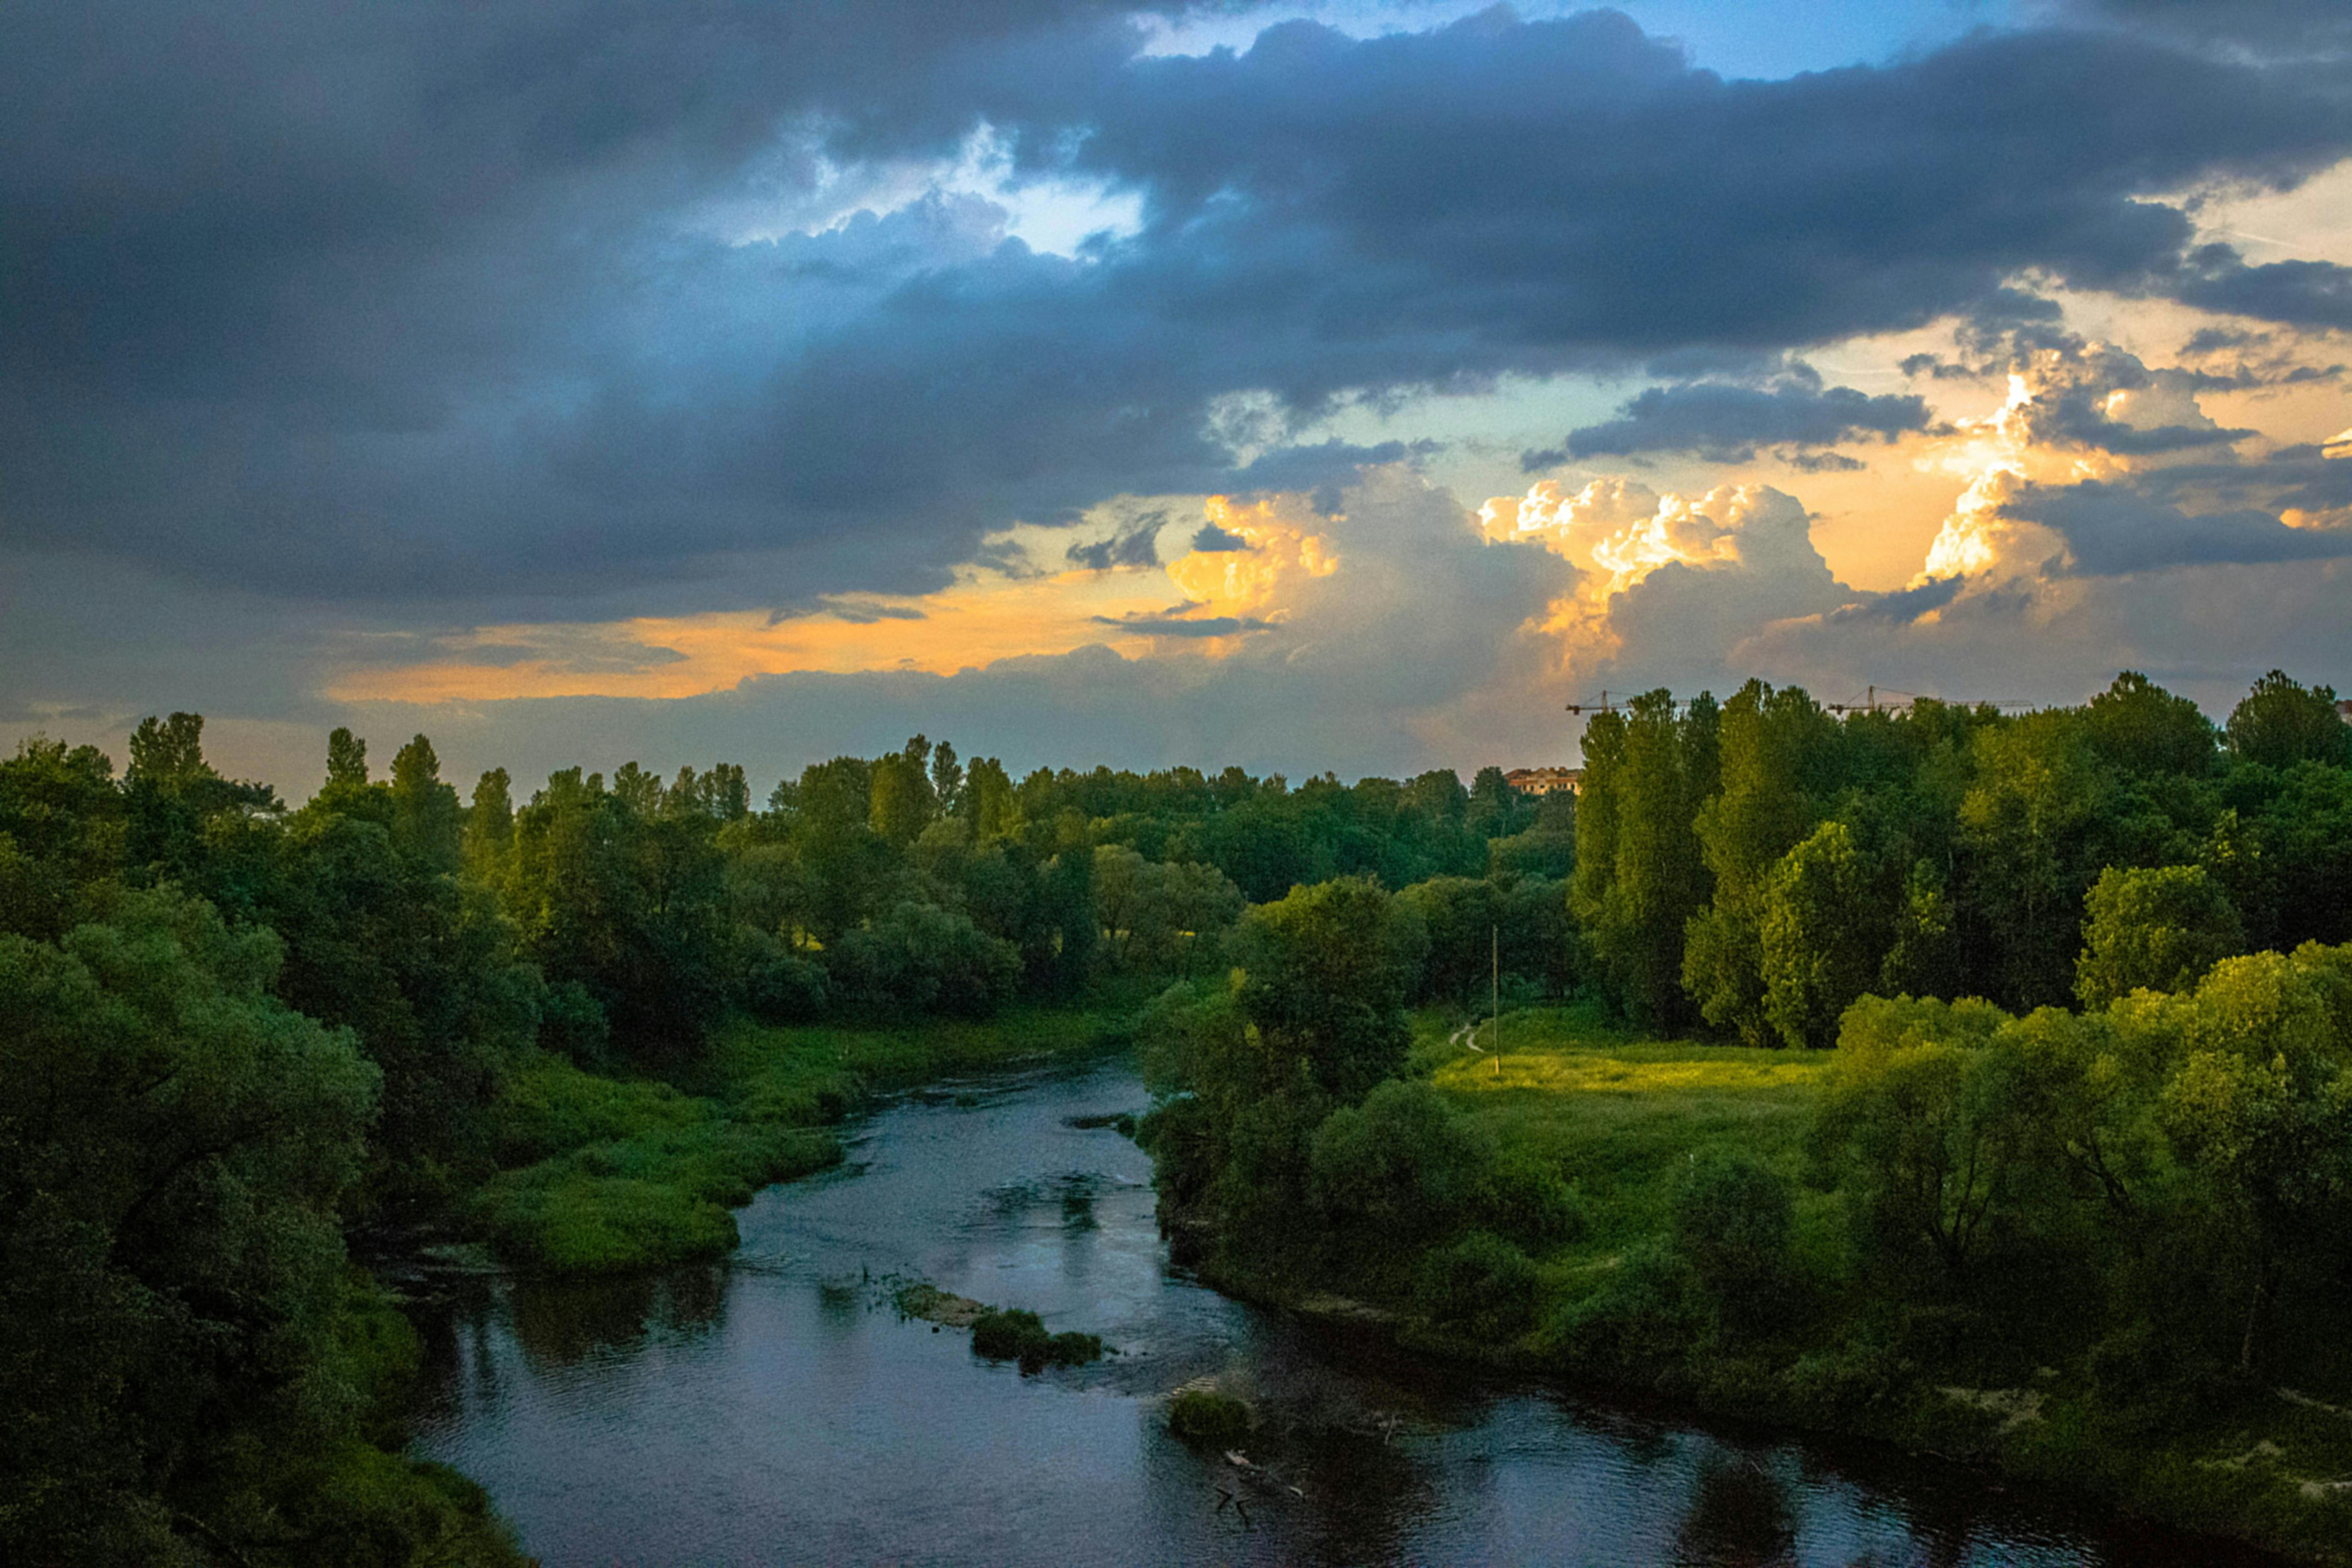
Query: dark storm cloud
{"type": "Point", "coordinates": [2292, 29]}
{"type": "Point", "coordinates": [1133, 545]}
{"type": "Point", "coordinates": [1902, 606]}
{"type": "Point", "coordinates": [2300, 479]}
{"type": "Point", "coordinates": [1212, 540]}
{"type": "Point", "coordinates": [2112, 529]}
{"type": "Point", "coordinates": [336, 302]}
{"type": "Point", "coordinates": [1728, 423]}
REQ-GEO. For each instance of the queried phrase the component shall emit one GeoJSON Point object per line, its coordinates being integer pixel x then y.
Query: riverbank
{"type": "Point", "coordinates": [609, 1175]}
{"type": "Point", "coordinates": [1612, 1307]}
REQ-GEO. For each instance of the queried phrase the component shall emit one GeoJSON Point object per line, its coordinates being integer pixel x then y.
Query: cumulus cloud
{"type": "Point", "coordinates": [551, 340]}
{"type": "Point", "coordinates": [332, 307]}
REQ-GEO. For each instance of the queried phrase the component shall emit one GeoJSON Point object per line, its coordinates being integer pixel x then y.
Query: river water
{"type": "Point", "coordinates": [777, 1410]}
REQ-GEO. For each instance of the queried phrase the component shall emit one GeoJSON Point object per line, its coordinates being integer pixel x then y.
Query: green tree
{"type": "Point", "coordinates": [2033, 826]}
{"type": "Point", "coordinates": [1778, 751]}
{"type": "Point", "coordinates": [2160, 929]}
{"type": "Point", "coordinates": [425, 819]}
{"type": "Point", "coordinates": [173, 1142]}
{"type": "Point", "coordinates": [488, 841]}
{"type": "Point", "coordinates": [1327, 971]}
{"type": "Point", "coordinates": [2280, 722]}
{"type": "Point", "coordinates": [346, 760]}
{"type": "Point", "coordinates": [1655, 782]}
{"type": "Point", "coordinates": [903, 803]}
{"type": "Point", "coordinates": [2141, 728]}
{"type": "Point", "coordinates": [1821, 943]}
{"type": "Point", "coordinates": [1914, 1124]}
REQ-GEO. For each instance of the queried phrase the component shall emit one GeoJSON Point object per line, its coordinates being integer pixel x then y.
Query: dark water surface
{"type": "Point", "coordinates": [777, 1410]}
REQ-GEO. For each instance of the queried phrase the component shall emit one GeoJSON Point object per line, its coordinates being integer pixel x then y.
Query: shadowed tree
{"type": "Point", "coordinates": [2280, 722]}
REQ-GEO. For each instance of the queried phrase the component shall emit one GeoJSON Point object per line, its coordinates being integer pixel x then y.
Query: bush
{"type": "Point", "coordinates": [1481, 1284]}
{"type": "Point", "coordinates": [1205, 1417]}
{"type": "Point", "coordinates": [1729, 1220]}
{"type": "Point", "coordinates": [571, 1022]}
{"type": "Point", "coordinates": [1018, 1334]}
{"type": "Point", "coordinates": [1527, 1200]}
{"type": "Point", "coordinates": [921, 958]}
{"type": "Point", "coordinates": [1403, 1165]}
{"type": "Point", "coordinates": [775, 984]}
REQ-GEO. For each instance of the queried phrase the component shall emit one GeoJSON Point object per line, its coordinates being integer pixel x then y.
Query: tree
{"type": "Point", "coordinates": [1778, 750]}
{"type": "Point", "coordinates": [1731, 1221]}
{"type": "Point", "coordinates": [346, 760]}
{"type": "Point", "coordinates": [173, 1142]}
{"type": "Point", "coordinates": [1654, 779]}
{"type": "Point", "coordinates": [902, 802]}
{"type": "Point", "coordinates": [1820, 941]}
{"type": "Point", "coordinates": [2160, 929]}
{"type": "Point", "coordinates": [1326, 971]}
{"type": "Point", "coordinates": [1462, 917]}
{"type": "Point", "coordinates": [922, 959]}
{"type": "Point", "coordinates": [1912, 1120]}
{"type": "Point", "coordinates": [425, 820]}
{"type": "Point", "coordinates": [2143, 729]}
{"type": "Point", "coordinates": [488, 841]}
{"type": "Point", "coordinates": [1398, 1167]}
{"type": "Point", "coordinates": [1156, 914]}
{"type": "Point", "coordinates": [2257, 1103]}
{"type": "Point", "coordinates": [947, 779]}
{"type": "Point", "coordinates": [2032, 825]}
{"type": "Point", "coordinates": [2280, 722]}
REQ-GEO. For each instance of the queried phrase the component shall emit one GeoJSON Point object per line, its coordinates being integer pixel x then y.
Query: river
{"type": "Point", "coordinates": [777, 1409]}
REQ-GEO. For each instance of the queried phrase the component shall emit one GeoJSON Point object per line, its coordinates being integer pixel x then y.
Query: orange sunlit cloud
{"type": "Point", "coordinates": [982, 617]}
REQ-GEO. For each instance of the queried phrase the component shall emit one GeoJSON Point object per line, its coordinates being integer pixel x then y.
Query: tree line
{"type": "Point", "coordinates": [2087, 977]}
{"type": "Point", "coordinates": [235, 1032]}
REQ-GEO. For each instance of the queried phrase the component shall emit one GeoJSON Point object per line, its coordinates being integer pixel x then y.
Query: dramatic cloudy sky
{"type": "Point", "coordinates": [1324, 385]}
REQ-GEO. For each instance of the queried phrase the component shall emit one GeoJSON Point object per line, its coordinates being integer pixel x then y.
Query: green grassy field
{"type": "Point", "coordinates": [1620, 1116]}
{"type": "Point", "coordinates": [607, 1174]}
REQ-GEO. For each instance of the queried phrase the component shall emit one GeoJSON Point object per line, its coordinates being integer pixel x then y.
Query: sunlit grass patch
{"type": "Point", "coordinates": [1572, 1070]}
{"type": "Point", "coordinates": [1620, 1115]}
{"type": "Point", "coordinates": [606, 1175]}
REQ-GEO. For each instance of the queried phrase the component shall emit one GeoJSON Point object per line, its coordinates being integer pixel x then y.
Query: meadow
{"type": "Point", "coordinates": [1623, 1117]}
{"type": "Point", "coordinates": [611, 1175]}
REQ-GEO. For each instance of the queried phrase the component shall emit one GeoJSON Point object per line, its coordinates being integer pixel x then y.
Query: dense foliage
{"type": "Point", "coordinates": [2091, 1095]}
{"type": "Point", "coordinates": [2080, 982]}
{"type": "Point", "coordinates": [233, 1034]}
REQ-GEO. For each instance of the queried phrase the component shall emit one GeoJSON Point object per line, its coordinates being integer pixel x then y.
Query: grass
{"type": "Point", "coordinates": [1620, 1116]}
{"type": "Point", "coordinates": [605, 1175]}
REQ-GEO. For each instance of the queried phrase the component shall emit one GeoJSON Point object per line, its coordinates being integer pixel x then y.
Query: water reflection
{"type": "Point", "coordinates": [780, 1411]}
{"type": "Point", "coordinates": [1739, 1517]}
{"type": "Point", "coordinates": [561, 1325]}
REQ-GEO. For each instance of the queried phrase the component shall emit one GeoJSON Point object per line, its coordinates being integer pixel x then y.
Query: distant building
{"type": "Point", "coordinates": [1544, 781]}
{"type": "Point", "coordinates": [2343, 711]}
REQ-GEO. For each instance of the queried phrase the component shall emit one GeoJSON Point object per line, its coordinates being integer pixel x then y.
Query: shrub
{"type": "Point", "coordinates": [1527, 1200]}
{"type": "Point", "coordinates": [1018, 1334]}
{"type": "Point", "coordinates": [1481, 1284]}
{"type": "Point", "coordinates": [776, 984]}
{"type": "Point", "coordinates": [1731, 1221]}
{"type": "Point", "coordinates": [1401, 1164]}
{"type": "Point", "coordinates": [1205, 1417]}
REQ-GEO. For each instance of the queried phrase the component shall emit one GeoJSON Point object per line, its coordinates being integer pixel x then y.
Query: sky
{"type": "Point", "coordinates": [1324, 386]}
